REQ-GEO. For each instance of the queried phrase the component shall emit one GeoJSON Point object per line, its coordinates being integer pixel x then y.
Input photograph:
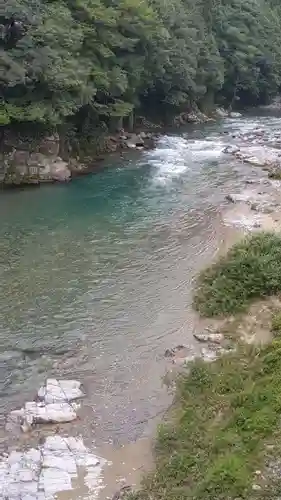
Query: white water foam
{"type": "Point", "coordinates": [175, 155]}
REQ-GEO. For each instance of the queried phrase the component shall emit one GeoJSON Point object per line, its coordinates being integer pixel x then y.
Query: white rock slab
{"type": "Point", "coordinates": [50, 413]}
{"type": "Point", "coordinates": [40, 474]}
{"type": "Point", "coordinates": [60, 391]}
{"type": "Point", "coordinates": [55, 405]}
{"type": "Point", "coordinates": [39, 413]}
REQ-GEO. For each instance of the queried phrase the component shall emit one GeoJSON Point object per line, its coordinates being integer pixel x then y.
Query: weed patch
{"type": "Point", "coordinates": [250, 270]}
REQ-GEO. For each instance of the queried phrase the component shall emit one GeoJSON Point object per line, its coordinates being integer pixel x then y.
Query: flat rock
{"type": "Point", "coordinates": [235, 114]}
{"type": "Point", "coordinates": [35, 412]}
{"type": "Point", "coordinates": [232, 149]}
{"type": "Point", "coordinates": [214, 338]}
{"type": "Point", "coordinates": [60, 391]}
{"type": "Point", "coordinates": [40, 474]}
{"type": "Point", "coordinates": [255, 161]}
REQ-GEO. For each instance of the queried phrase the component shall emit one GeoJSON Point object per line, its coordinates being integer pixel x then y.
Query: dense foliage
{"type": "Point", "coordinates": [100, 61]}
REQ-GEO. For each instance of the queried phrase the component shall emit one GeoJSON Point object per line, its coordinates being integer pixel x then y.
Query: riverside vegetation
{"type": "Point", "coordinates": [87, 67]}
{"type": "Point", "coordinates": [223, 438]}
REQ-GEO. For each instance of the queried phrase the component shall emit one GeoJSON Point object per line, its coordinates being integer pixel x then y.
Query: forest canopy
{"type": "Point", "coordinates": [99, 61]}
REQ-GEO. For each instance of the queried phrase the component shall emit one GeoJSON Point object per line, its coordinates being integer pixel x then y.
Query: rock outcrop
{"type": "Point", "coordinates": [54, 405]}
{"type": "Point", "coordinates": [41, 473]}
{"type": "Point", "coordinates": [35, 162]}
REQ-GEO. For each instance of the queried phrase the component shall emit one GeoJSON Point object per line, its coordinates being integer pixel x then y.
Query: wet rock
{"type": "Point", "coordinates": [60, 391]}
{"type": "Point", "coordinates": [251, 181]}
{"type": "Point", "coordinates": [209, 355]}
{"type": "Point", "coordinates": [122, 493]}
{"type": "Point", "coordinates": [134, 141]}
{"type": "Point", "coordinates": [214, 338]}
{"type": "Point", "coordinates": [256, 487]}
{"type": "Point", "coordinates": [50, 146]}
{"type": "Point", "coordinates": [237, 198]}
{"type": "Point", "coordinates": [169, 353]}
{"type": "Point", "coordinates": [54, 406]}
{"type": "Point", "coordinates": [39, 474]}
{"type": "Point", "coordinates": [221, 113]}
{"type": "Point", "coordinates": [180, 361]}
{"type": "Point", "coordinates": [143, 135]}
{"type": "Point", "coordinates": [232, 149]}
{"type": "Point", "coordinates": [38, 413]}
{"type": "Point", "coordinates": [258, 162]}
{"type": "Point", "coordinates": [264, 207]}
{"type": "Point", "coordinates": [180, 355]}
{"type": "Point", "coordinates": [235, 115]}
{"type": "Point", "coordinates": [59, 171]}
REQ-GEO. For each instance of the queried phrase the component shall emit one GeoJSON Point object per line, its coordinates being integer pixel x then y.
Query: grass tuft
{"type": "Point", "coordinates": [250, 270]}
{"type": "Point", "coordinates": [276, 324]}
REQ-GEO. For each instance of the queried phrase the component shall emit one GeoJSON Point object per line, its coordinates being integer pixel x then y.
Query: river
{"type": "Point", "coordinates": [97, 275]}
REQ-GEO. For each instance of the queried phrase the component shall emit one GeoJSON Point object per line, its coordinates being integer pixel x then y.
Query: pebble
{"type": "Point", "coordinates": [256, 487]}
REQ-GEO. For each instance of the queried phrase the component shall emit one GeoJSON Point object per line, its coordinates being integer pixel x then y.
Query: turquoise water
{"type": "Point", "coordinates": [96, 275]}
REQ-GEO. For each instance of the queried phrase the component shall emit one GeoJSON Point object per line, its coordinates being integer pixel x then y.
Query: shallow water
{"type": "Point", "coordinates": [97, 275]}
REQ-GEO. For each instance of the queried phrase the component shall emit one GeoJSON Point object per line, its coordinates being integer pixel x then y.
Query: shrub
{"type": "Point", "coordinates": [250, 270]}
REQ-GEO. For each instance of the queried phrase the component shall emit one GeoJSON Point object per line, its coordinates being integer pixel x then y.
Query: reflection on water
{"type": "Point", "coordinates": [96, 276]}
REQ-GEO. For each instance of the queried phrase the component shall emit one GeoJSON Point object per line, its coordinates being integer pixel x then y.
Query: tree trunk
{"type": "Point", "coordinates": [131, 121]}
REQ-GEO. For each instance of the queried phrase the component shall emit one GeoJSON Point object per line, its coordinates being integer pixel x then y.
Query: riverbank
{"type": "Point", "coordinates": [33, 160]}
{"type": "Point", "coordinates": [222, 435]}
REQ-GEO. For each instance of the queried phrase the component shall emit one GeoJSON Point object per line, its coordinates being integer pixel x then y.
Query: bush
{"type": "Point", "coordinates": [250, 270]}
{"type": "Point", "coordinates": [276, 324]}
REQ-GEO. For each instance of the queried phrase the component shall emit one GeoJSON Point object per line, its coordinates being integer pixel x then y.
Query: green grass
{"type": "Point", "coordinates": [250, 270]}
{"type": "Point", "coordinates": [226, 421]}
{"type": "Point", "coordinates": [225, 413]}
{"type": "Point", "coordinates": [276, 324]}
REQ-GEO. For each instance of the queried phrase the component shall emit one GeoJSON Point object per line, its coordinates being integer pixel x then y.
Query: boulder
{"type": "Point", "coordinates": [192, 117]}
{"type": "Point", "coordinates": [39, 413]}
{"type": "Point", "coordinates": [214, 338]}
{"type": "Point", "coordinates": [143, 135]}
{"type": "Point", "coordinates": [60, 391]}
{"type": "Point", "coordinates": [231, 149]}
{"type": "Point", "coordinates": [134, 141]}
{"type": "Point", "coordinates": [221, 113]}
{"type": "Point", "coordinates": [50, 146]}
{"type": "Point", "coordinates": [54, 405]}
{"type": "Point", "coordinates": [235, 114]}
{"type": "Point", "coordinates": [59, 171]}
{"type": "Point", "coordinates": [19, 157]}
{"type": "Point", "coordinates": [255, 161]}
